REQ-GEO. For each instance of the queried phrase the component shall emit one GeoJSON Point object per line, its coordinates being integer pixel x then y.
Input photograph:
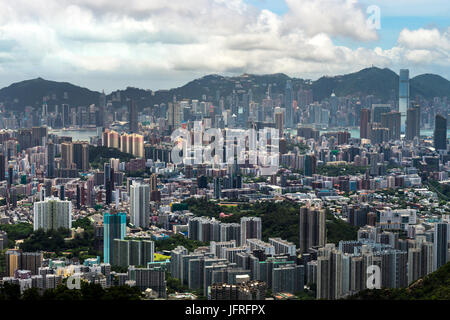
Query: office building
{"type": "Point", "coordinates": [108, 182]}
{"type": "Point", "coordinates": [133, 113]}
{"type": "Point", "coordinates": [289, 104]}
{"type": "Point", "coordinates": [403, 103]}
{"type": "Point", "coordinates": [217, 188]}
{"type": "Point", "coordinates": [310, 165]}
{"type": "Point", "coordinates": [413, 123]}
{"type": "Point", "coordinates": [2, 167]}
{"type": "Point", "coordinates": [66, 155]}
{"type": "Point", "coordinates": [364, 124]}
{"type": "Point", "coordinates": [80, 154]}
{"type": "Point", "coordinates": [392, 122]}
{"type": "Point", "coordinates": [51, 150]}
{"type": "Point", "coordinates": [378, 110]}
{"type": "Point", "coordinates": [440, 133]}
{"type": "Point", "coordinates": [39, 135]}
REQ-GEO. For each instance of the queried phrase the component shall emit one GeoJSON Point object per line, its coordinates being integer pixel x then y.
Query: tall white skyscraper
{"type": "Point", "coordinates": [403, 96]}
{"type": "Point", "coordinates": [52, 214]}
{"type": "Point", "coordinates": [140, 205]}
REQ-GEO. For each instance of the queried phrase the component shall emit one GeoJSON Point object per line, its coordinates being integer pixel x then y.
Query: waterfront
{"type": "Point", "coordinates": [75, 134]}
{"type": "Point", "coordinates": [354, 132]}
{"type": "Point", "coordinates": [86, 134]}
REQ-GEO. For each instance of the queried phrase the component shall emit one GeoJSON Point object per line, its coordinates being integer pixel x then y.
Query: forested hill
{"type": "Point", "coordinates": [435, 286]}
{"type": "Point", "coordinates": [381, 83]}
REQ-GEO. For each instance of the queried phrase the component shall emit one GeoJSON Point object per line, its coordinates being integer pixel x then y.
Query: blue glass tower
{"type": "Point", "coordinates": [403, 95]}
{"type": "Point", "coordinates": [115, 227]}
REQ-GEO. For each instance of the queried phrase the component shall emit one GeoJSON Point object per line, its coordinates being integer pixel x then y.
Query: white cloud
{"type": "Point", "coordinates": [425, 39]}
{"type": "Point", "coordinates": [159, 43]}
{"type": "Point", "coordinates": [334, 17]}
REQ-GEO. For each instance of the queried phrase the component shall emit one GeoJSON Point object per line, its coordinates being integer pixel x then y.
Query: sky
{"type": "Point", "coordinates": [160, 44]}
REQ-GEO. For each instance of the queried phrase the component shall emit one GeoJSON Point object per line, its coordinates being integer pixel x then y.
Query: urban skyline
{"type": "Point", "coordinates": [246, 180]}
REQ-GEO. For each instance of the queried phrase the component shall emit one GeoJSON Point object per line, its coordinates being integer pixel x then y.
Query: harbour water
{"type": "Point", "coordinates": [76, 134]}
{"type": "Point", "coordinates": [86, 134]}
{"type": "Point", "coordinates": [354, 132]}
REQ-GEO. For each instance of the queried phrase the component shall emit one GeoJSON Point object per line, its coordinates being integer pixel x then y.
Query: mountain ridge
{"type": "Point", "coordinates": [381, 83]}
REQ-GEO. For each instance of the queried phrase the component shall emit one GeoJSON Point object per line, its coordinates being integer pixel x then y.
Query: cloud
{"type": "Point", "coordinates": [425, 39]}
{"type": "Point", "coordinates": [333, 17]}
{"type": "Point", "coordinates": [159, 43]}
{"type": "Point", "coordinates": [426, 46]}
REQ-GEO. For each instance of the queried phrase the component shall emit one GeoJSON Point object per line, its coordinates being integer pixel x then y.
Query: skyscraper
{"type": "Point", "coordinates": [108, 182]}
{"type": "Point", "coordinates": [132, 252]}
{"type": "Point", "coordinates": [364, 123]}
{"type": "Point", "coordinates": [440, 133]}
{"type": "Point", "coordinates": [114, 228]}
{"type": "Point", "coordinates": [440, 244]}
{"type": "Point", "coordinates": [78, 197]}
{"type": "Point", "coordinates": [10, 175]}
{"type": "Point", "coordinates": [288, 278]}
{"type": "Point", "coordinates": [403, 102]}
{"type": "Point", "coordinates": [80, 153]}
{"type": "Point", "coordinates": [66, 155]}
{"type": "Point", "coordinates": [133, 112]}
{"type": "Point", "coordinates": [174, 115]}
{"type": "Point", "coordinates": [155, 195]}
{"type": "Point", "coordinates": [310, 165]}
{"type": "Point", "coordinates": [312, 228]}
{"type": "Point", "coordinates": [52, 214]}
{"type": "Point", "coordinates": [154, 278]}
{"type": "Point", "coordinates": [378, 110]}
{"type": "Point", "coordinates": [13, 261]}
{"type": "Point", "coordinates": [65, 115]}
{"type": "Point", "coordinates": [39, 135]}
{"type": "Point", "coordinates": [392, 121]}
{"type": "Point", "coordinates": [250, 228]}
{"type": "Point", "coordinates": [217, 188]}
{"type": "Point", "coordinates": [288, 104]}
{"type": "Point", "coordinates": [2, 167]}
{"type": "Point", "coordinates": [50, 160]}
{"type": "Point", "coordinates": [413, 123]}
{"type": "Point", "coordinates": [140, 205]}
{"type": "Point", "coordinates": [133, 144]}
{"type": "Point", "coordinates": [279, 120]}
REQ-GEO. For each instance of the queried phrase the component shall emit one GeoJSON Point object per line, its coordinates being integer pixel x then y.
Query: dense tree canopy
{"type": "Point", "coordinates": [279, 219]}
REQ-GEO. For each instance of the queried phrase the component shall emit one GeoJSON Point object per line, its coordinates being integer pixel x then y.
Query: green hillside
{"type": "Point", "coordinates": [435, 286]}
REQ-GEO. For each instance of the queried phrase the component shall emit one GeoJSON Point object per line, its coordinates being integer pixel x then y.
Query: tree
{"type": "Point", "coordinates": [10, 292]}
{"type": "Point", "coordinates": [91, 291]}
{"type": "Point", "coordinates": [17, 231]}
{"type": "Point", "coordinates": [174, 284]}
{"type": "Point", "coordinates": [31, 294]}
